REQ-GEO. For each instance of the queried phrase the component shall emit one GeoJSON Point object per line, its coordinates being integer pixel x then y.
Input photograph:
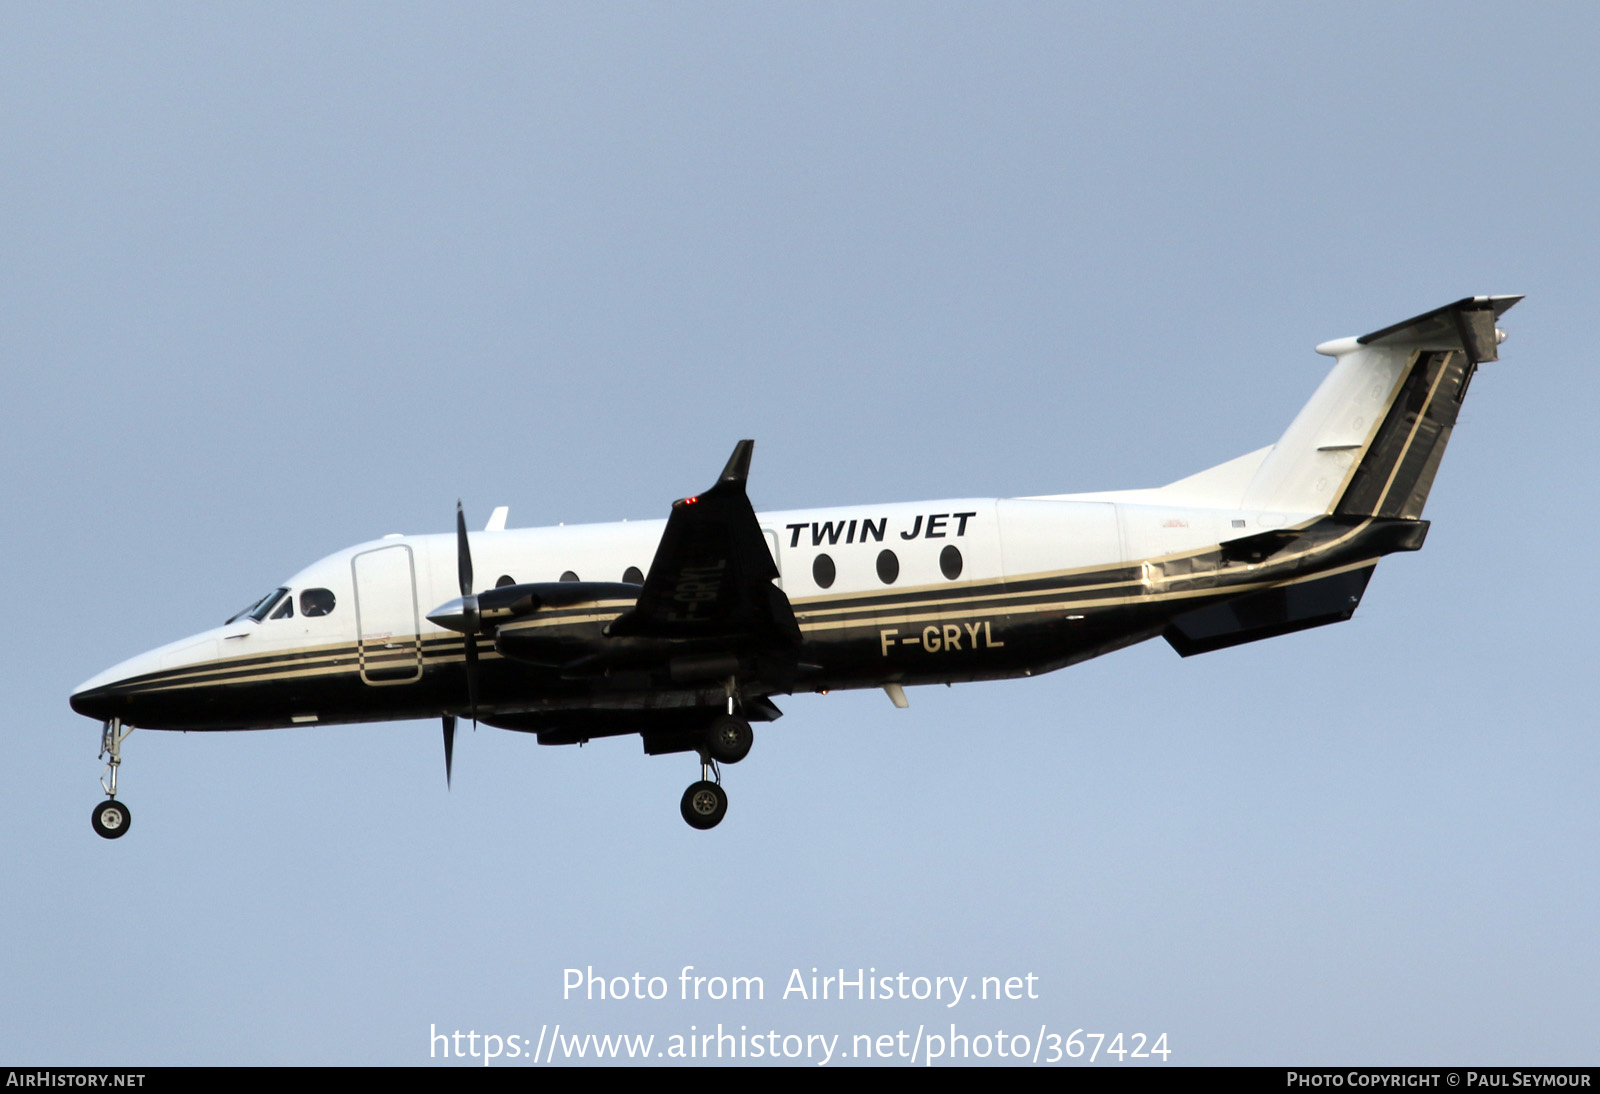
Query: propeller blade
{"type": "Point", "coordinates": [463, 552]}
{"type": "Point", "coordinates": [449, 746]}
{"type": "Point", "coordinates": [469, 604]}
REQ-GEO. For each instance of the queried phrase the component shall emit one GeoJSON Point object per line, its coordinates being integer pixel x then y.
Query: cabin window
{"type": "Point", "coordinates": [633, 576]}
{"type": "Point", "coordinates": [888, 567]}
{"type": "Point", "coordinates": [568, 575]}
{"type": "Point", "coordinates": [503, 580]}
{"type": "Point", "coordinates": [950, 562]}
{"type": "Point", "coordinates": [315, 602]}
{"type": "Point", "coordinates": [823, 572]}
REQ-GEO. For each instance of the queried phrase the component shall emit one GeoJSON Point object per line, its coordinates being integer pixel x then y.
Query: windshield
{"type": "Point", "coordinates": [258, 610]}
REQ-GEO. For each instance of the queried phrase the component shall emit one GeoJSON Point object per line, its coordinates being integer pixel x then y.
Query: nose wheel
{"type": "Point", "coordinates": [111, 818]}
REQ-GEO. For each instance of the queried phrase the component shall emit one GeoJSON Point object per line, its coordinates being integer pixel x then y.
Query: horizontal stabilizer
{"type": "Point", "coordinates": [1466, 324]}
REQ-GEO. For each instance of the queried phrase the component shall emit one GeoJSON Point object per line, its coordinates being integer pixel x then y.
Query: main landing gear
{"type": "Point", "coordinates": [727, 741]}
{"type": "Point", "coordinates": [111, 818]}
{"type": "Point", "coordinates": [705, 803]}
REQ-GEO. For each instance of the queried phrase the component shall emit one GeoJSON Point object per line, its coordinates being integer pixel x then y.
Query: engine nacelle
{"type": "Point", "coordinates": [486, 612]}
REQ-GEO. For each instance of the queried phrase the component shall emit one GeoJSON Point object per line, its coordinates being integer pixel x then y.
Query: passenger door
{"type": "Point", "coordinates": [388, 643]}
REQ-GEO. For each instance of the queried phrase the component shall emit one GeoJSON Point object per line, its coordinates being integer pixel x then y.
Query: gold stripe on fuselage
{"type": "Point", "coordinates": [988, 600]}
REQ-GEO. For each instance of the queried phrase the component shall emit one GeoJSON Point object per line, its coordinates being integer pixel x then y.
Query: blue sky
{"type": "Point", "coordinates": [283, 278]}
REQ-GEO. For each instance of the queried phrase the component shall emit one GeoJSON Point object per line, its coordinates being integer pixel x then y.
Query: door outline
{"type": "Point", "coordinates": [394, 668]}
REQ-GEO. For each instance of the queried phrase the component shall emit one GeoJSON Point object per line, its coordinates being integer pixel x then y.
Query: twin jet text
{"type": "Point", "coordinates": [863, 530]}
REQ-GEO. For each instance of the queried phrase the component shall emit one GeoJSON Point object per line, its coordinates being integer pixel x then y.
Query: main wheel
{"type": "Point", "coordinates": [704, 805]}
{"type": "Point", "coordinates": [729, 739]}
{"type": "Point", "coordinates": [111, 819]}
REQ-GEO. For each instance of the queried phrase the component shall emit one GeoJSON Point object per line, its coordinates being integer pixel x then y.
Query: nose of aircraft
{"type": "Point", "coordinates": [97, 704]}
{"type": "Point", "coordinates": [111, 693]}
{"type": "Point", "coordinates": [106, 695]}
{"type": "Point", "coordinates": [86, 701]}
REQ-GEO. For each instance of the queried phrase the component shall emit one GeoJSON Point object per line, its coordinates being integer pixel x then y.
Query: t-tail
{"type": "Point", "coordinates": [1369, 442]}
{"type": "Point", "coordinates": [1347, 481]}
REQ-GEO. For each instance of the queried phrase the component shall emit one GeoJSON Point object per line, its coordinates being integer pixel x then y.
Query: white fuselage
{"type": "Point", "coordinates": [998, 540]}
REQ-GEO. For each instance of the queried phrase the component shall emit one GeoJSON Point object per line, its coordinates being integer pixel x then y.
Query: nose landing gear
{"type": "Point", "coordinates": [111, 818]}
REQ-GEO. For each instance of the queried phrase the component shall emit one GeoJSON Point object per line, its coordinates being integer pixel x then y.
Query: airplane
{"type": "Point", "coordinates": [683, 630]}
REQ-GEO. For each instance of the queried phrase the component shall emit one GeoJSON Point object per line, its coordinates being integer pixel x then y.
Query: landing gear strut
{"type": "Point", "coordinates": [727, 741]}
{"type": "Point", "coordinates": [111, 818]}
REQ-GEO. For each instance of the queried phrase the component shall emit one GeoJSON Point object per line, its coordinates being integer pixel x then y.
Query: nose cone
{"type": "Point", "coordinates": [111, 694]}
{"type": "Point", "coordinates": [106, 695]}
{"type": "Point", "coordinates": [101, 704]}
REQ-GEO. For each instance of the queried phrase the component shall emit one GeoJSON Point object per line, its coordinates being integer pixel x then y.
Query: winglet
{"type": "Point", "coordinates": [738, 469]}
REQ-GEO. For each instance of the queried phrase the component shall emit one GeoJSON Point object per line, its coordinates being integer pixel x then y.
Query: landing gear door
{"type": "Point", "coordinates": [388, 646]}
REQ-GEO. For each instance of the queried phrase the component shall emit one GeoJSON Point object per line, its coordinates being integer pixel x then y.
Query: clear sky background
{"type": "Point", "coordinates": [275, 279]}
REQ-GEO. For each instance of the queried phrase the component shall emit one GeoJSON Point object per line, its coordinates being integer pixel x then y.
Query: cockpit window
{"type": "Point", "coordinates": [315, 602]}
{"type": "Point", "coordinates": [285, 610]}
{"type": "Point", "coordinates": [258, 610]}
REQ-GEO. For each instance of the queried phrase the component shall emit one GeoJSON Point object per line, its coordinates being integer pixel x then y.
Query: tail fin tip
{"type": "Point", "coordinates": [1467, 324]}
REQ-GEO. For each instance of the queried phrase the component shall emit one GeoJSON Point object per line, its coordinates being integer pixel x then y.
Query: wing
{"type": "Point", "coordinates": [712, 574]}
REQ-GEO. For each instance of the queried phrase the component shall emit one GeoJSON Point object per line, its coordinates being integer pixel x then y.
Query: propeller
{"type": "Point", "coordinates": [468, 625]}
{"type": "Point", "coordinates": [469, 611]}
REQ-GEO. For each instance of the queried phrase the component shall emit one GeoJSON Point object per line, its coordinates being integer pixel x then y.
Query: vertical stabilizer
{"type": "Point", "coordinates": [1370, 440]}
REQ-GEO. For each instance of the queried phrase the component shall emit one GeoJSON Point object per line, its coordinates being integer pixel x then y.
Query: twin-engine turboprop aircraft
{"type": "Point", "coordinates": [682, 630]}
